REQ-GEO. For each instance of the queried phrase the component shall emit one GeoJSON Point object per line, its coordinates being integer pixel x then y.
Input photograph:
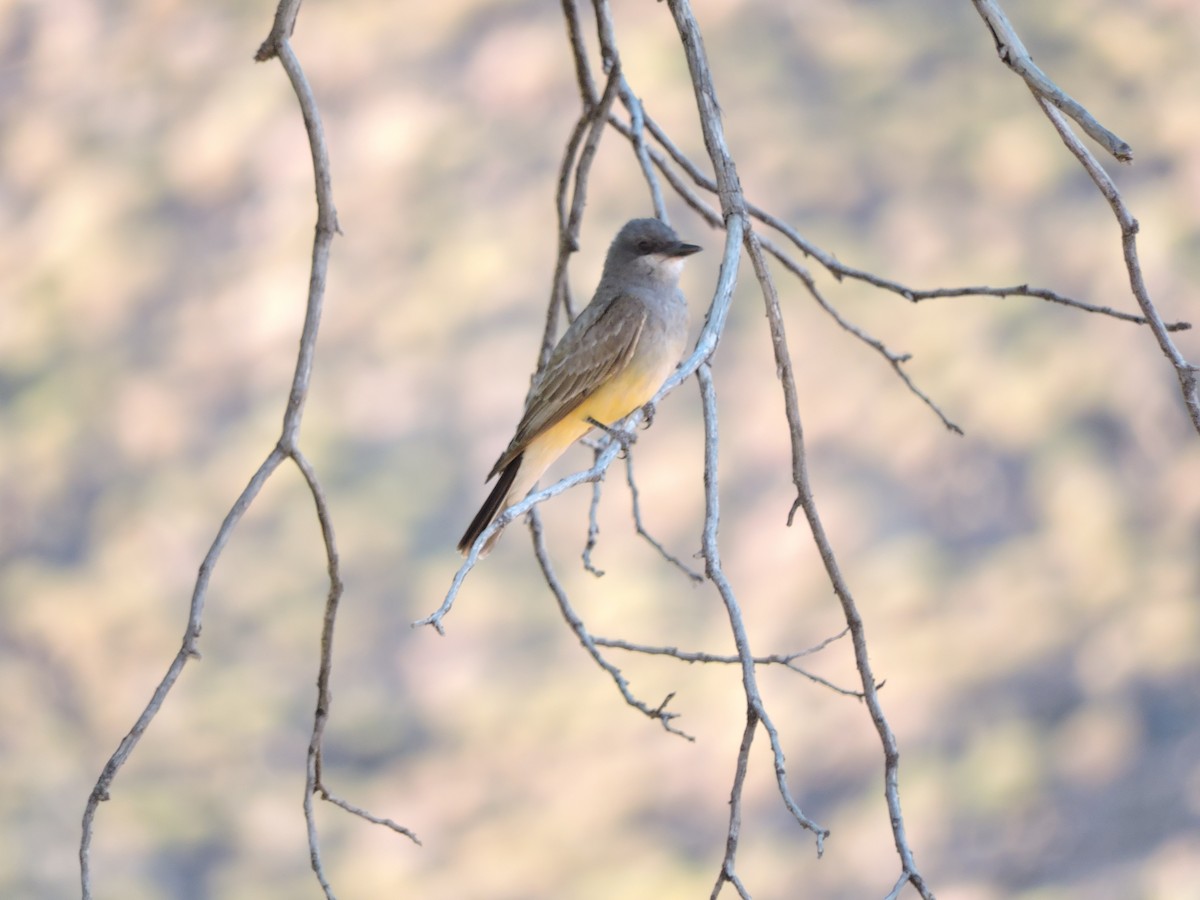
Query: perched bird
{"type": "Point", "coordinates": [612, 359]}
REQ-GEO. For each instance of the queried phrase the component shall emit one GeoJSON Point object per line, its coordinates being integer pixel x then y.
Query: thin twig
{"type": "Point", "coordinates": [568, 219]}
{"type": "Point", "coordinates": [915, 295]}
{"type": "Point", "coordinates": [612, 59]}
{"type": "Point", "coordinates": [636, 122]}
{"type": "Point", "coordinates": [895, 360]}
{"type": "Point", "coordinates": [1054, 103]}
{"type": "Point", "coordinates": [312, 782]}
{"type": "Point", "coordinates": [370, 817]}
{"type": "Point", "coordinates": [573, 620]}
{"type": "Point", "coordinates": [733, 211]}
{"type": "Point", "coordinates": [527, 503]}
{"type": "Point", "coordinates": [1185, 371]}
{"type": "Point", "coordinates": [593, 530]}
{"type": "Point", "coordinates": [697, 656]}
{"type": "Point", "coordinates": [728, 870]}
{"type": "Point", "coordinates": [828, 261]}
{"type": "Point", "coordinates": [891, 752]}
{"type": "Point", "coordinates": [1014, 55]}
{"type": "Point", "coordinates": [568, 234]}
{"type": "Point", "coordinates": [583, 71]}
{"type": "Point", "coordinates": [786, 660]}
{"type": "Point", "coordinates": [568, 242]}
{"type": "Point", "coordinates": [187, 651]}
{"type": "Point", "coordinates": [640, 526]}
{"type": "Point", "coordinates": [277, 46]}
{"type": "Point", "coordinates": [854, 622]}
{"type": "Point", "coordinates": [756, 711]}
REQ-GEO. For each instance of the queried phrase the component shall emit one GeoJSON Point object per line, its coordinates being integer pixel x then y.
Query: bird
{"type": "Point", "coordinates": [611, 360]}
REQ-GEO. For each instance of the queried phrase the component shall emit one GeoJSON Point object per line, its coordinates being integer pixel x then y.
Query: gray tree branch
{"type": "Point", "coordinates": [1055, 103]}
{"type": "Point", "coordinates": [276, 46]}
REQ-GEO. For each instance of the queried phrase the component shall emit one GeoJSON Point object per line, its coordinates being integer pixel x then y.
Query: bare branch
{"type": "Point", "coordinates": [658, 713]}
{"type": "Point", "coordinates": [612, 60]}
{"type": "Point", "coordinates": [1054, 103]}
{"type": "Point", "coordinates": [275, 46]}
{"type": "Point", "coordinates": [1185, 371]}
{"type": "Point", "coordinates": [895, 360]}
{"type": "Point", "coordinates": [728, 870]}
{"type": "Point", "coordinates": [733, 208]}
{"type": "Point", "coordinates": [787, 660]}
{"type": "Point", "coordinates": [1014, 55]}
{"type": "Point", "coordinates": [187, 651]}
{"type": "Point", "coordinates": [755, 710]}
{"type": "Point", "coordinates": [891, 752]}
{"type": "Point", "coordinates": [281, 30]}
{"type": "Point", "coordinates": [840, 270]}
{"type": "Point", "coordinates": [635, 503]}
{"type": "Point", "coordinates": [591, 124]}
{"type": "Point", "coordinates": [828, 261]}
{"type": "Point", "coordinates": [607, 454]}
{"type": "Point", "coordinates": [373, 819]}
{"type": "Point", "coordinates": [593, 530]}
{"type": "Point", "coordinates": [583, 71]}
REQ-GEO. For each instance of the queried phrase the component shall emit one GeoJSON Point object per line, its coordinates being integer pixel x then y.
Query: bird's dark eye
{"type": "Point", "coordinates": [645, 247]}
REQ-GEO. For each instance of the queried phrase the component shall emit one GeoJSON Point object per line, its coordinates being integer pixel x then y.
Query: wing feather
{"type": "Point", "coordinates": [591, 351]}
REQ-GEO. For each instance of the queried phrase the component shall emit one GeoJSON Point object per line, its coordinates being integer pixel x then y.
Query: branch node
{"type": "Point", "coordinates": [796, 504]}
{"type": "Point", "coordinates": [659, 710]}
{"type": "Point", "coordinates": [622, 437]}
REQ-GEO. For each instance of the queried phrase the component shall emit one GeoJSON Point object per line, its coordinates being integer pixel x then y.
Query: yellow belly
{"type": "Point", "coordinates": [612, 401]}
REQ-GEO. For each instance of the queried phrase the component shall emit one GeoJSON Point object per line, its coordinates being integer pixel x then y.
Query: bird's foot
{"type": "Point", "coordinates": [622, 437]}
{"type": "Point", "coordinates": [648, 414]}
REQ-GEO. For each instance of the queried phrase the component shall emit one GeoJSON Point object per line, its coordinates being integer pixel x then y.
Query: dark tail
{"type": "Point", "coordinates": [492, 506]}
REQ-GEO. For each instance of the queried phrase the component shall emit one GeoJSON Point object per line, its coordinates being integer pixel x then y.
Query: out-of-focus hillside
{"type": "Point", "coordinates": [1031, 590]}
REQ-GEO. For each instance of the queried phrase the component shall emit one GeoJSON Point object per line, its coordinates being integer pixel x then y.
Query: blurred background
{"type": "Point", "coordinates": [1031, 590]}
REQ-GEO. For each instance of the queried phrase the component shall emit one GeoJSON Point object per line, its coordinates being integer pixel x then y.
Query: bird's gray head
{"type": "Point", "coordinates": [647, 248]}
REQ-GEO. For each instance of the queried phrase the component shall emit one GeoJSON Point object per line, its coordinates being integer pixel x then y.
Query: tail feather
{"type": "Point", "coordinates": [492, 507]}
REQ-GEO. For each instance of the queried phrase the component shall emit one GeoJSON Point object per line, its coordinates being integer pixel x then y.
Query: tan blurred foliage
{"type": "Point", "coordinates": [1031, 590]}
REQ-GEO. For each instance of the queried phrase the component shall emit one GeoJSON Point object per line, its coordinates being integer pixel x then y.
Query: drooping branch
{"type": "Point", "coordinates": [670, 153]}
{"type": "Point", "coordinates": [658, 156]}
{"type": "Point", "coordinates": [1014, 55]}
{"type": "Point", "coordinates": [658, 713]}
{"type": "Point", "coordinates": [787, 660]}
{"type": "Point", "coordinates": [276, 46]}
{"type": "Point", "coordinates": [854, 622]}
{"type": "Point", "coordinates": [101, 791]}
{"type": "Point", "coordinates": [1184, 370]}
{"type": "Point", "coordinates": [589, 129]}
{"type": "Point", "coordinates": [756, 712]}
{"type": "Point", "coordinates": [1055, 103]}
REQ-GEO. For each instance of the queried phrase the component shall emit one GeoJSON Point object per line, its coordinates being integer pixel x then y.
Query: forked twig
{"type": "Point", "coordinates": [787, 660]}
{"type": "Point", "coordinates": [733, 212]}
{"type": "Point", "coordinates": [1013, 54]}
{"type": "Point", "coordinates": [1185, 371]}
{"type": "Point", "coordinates": [275, 46]}
{"type": "Point", "coordinates": [658, 156]}
{"type": "Point", "coordinates": [658, 713]}
{"type": "Point", "coordinates": [1055, 103]}
{"type": "Point", "coordinates": [640, 526]}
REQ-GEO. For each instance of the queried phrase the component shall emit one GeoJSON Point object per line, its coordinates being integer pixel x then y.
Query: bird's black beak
{"type": "Point", "coordinates": [679, 248]}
